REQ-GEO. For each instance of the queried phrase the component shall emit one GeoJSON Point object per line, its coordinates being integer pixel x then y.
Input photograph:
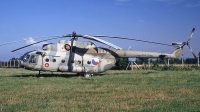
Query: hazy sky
{"type": "Point", "coordinates": [163, 21]}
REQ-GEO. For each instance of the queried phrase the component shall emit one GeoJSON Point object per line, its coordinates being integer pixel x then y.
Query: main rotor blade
{"type": "Point", "coordinates": [190, 36]}
{"type": "Point", "coordinates": [132, 39]}
{"type": "Point", "coordinates": [192, 51]}
{"type": "Point", "coordinates": [101, 41]}
{"type": "Point", "coordinates": [25, 39]}
{"type": "Point", "coordinates": [34, 43]}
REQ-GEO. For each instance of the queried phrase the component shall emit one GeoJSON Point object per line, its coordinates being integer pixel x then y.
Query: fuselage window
{"type": "Point", "coordinates": [32, 59]}
{"type": "Point", "coordinates": [44, 47]}
{"type": "Point", "coordinates": [63, 61]}
{"type": "Point", "coordinates": [47, 59]}
{"type": "Point", "coordinates": [79, 61]}
{"type": "Point", "coordinates": [88, 62]}
{"type": "Point", "coordinates": [54, 60]}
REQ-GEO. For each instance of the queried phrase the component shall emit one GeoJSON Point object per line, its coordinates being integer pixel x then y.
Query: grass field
{"type": "Point", "coordinates": [138, 90]}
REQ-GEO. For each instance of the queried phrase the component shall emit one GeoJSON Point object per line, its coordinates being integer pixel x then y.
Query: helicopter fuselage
{"type": "Point", "coordinates": [85, 57]}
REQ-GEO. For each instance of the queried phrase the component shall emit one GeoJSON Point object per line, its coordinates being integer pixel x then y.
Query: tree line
{"type": "Point", "coordinates": [123, 62]}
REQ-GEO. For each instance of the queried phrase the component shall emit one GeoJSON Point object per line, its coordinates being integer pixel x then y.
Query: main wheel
{"type": "Point", "coordinates": [87, 75]}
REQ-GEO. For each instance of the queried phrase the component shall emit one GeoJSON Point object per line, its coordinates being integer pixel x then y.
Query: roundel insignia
{"type": "Point", "coordinates": [46, 65]}
{"type": "Point", "coordinates": [67, 47]}
{"type": "Point", "coordinates": [95, 61]}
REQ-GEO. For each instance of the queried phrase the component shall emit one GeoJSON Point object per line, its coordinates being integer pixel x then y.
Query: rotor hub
{"type": "Point", "coordinates": [74, 33]}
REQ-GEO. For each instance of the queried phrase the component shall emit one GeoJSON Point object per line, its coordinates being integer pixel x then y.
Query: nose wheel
{"type": "Point", "coordinates": [39, 75]}
{"type": "Point", "coordinates": [86, 75]}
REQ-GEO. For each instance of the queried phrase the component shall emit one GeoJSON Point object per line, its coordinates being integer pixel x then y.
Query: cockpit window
{"type": "Point", "coordinates": [26, 58]}
{"type": "Point", "coordinates": [44, 47]}
{"type": "Point", "coordinates": [32, 59]}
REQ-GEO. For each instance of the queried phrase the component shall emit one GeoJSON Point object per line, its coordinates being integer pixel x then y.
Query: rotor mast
{"type": "Point", "coordinates": [71, 54]}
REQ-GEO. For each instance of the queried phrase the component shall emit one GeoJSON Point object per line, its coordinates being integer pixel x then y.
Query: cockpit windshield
{"type": "Point", "coordinates": [26, 58]}
{"type": "Point", "coordinates": [32, 59]}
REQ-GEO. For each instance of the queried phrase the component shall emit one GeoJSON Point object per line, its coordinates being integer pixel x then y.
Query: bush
{"type": "Point", "coordinates": [180, 68]}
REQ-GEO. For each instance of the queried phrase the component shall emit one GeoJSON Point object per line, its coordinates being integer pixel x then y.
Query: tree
{"type": "Point", "coordinates": [13, 62]}
{"type": "Point", "coordinates": [121, 63]}
{"type": "Point", "coordinates": [190, 61]}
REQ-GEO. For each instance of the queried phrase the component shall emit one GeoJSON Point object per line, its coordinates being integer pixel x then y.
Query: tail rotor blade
{"type": "Point", "coordinates": [190, 36]}
{"type": "Point", "coordinates": [192, 51]}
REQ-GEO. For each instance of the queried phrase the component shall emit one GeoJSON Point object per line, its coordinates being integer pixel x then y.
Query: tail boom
{"type": "Point", "coordinates": [143, 54]}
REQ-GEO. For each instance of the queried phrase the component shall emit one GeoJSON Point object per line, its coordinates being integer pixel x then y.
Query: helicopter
{"type": "Point", "coordinates": [84, 57]}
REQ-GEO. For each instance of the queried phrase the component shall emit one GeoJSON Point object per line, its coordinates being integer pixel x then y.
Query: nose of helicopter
{"type": "Point", "coordinates": [21, 63]}
{"type": "Point", "coordinates": [22, 59]}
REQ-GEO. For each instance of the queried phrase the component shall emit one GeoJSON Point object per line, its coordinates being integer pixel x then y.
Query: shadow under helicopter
{"type": "Point", "coordinates": [150, 72]}
{"type": "Point", "coordinates": [45, 75]}
{"type": "Point", "coordinates": [130, 73]}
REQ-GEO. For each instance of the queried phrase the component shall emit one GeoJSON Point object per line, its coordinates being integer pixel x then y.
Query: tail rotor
{"type": "Point", "coordinates": [181, 44]}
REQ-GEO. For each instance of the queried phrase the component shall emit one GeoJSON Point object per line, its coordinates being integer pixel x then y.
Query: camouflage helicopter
{"type": "Point", "coordinates": [86, 58]}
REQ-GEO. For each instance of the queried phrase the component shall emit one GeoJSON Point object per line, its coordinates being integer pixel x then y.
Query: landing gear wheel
{"type": "Point", "coordinates": [87, 75]}
{"type": "Point", "coordinates": [39, 75]}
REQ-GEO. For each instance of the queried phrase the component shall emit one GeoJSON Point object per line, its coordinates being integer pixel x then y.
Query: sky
{"type": "Point", "coordinates": [164, 21]}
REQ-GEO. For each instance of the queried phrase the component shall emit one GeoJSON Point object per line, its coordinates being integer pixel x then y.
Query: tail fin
{"type": "Point", "coordinates": [177, 52]}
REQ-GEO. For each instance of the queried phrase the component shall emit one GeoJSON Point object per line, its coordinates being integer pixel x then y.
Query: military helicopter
{"type": "Point", "coordinates": [84, 57]}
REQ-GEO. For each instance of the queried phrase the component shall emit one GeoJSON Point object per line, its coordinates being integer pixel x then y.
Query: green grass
{"type": "Point", "coordinates": [145, 90]}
